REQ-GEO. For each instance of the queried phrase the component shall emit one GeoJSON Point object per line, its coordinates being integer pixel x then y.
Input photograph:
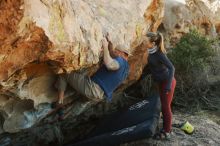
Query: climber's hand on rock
{"type": "Point", "coordinates": [108, 37]}
{"type": "Point", "coordinates": [104, 44]}
{"type": "Point", "coordinates": [110, 45]}
{"type": "Point", "coordinates": [102, 48]}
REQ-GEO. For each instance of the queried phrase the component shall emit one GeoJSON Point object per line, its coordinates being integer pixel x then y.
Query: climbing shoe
{"type": "Point", "coordinates": [162, 135]}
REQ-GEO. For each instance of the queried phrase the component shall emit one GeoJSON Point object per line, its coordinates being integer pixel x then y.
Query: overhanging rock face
{"type": "Point", "coordinates": [41, 38]}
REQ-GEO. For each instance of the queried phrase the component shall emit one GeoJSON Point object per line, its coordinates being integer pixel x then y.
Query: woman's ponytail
{"type": "Point", "coordinates": [161, 43]}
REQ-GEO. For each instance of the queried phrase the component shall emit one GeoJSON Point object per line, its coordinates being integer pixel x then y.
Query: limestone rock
{"type": "Point", "coordinates": [181, 15]}
{"type": "Point", "coordinates": [41, 38]}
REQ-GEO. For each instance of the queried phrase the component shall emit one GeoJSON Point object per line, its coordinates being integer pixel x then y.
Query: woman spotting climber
{"type": "Point", "coordinates": [162, 71]}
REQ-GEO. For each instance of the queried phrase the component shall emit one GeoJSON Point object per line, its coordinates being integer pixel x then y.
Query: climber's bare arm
{"type": "Point", "coordinates": [109, 62]}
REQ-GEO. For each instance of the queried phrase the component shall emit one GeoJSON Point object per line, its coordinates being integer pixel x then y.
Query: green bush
{"type": "Point", "coordinates": [192, 52]}
{"type": "Point", "coordinates": [191, 58]}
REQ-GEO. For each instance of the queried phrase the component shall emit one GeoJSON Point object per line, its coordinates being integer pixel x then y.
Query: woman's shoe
{"type": "Point", "coordinates": [162, 135]}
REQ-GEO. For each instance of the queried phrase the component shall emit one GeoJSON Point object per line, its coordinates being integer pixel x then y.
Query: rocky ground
{"type": "Point", "coordinates": [206, 132]}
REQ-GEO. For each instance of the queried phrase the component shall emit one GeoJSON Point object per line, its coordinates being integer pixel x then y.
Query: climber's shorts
{"type": "Point", "coordinates": [82, 84]}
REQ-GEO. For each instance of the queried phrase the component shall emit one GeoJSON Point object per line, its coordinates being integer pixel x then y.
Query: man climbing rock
{"type": "Point", "coordinates": [101, 85]}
